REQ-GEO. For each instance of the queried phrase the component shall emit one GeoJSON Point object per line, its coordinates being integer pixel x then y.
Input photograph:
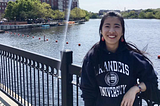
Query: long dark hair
{"type": "Point", "coordinates": [129, 46]}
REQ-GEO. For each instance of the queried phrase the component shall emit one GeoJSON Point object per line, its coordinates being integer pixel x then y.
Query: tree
{"type": "Point", "coordinates": [87, 15]}
{"type": "Point", "coordinates": [8, 12]}
{"type": "Point", "coordinates": [149, 15]}
{"type": "Point", "coordinates": [142, 15]}
{"type": "Point", "coordinates": [93, 15]}
{"type": "Point", "coordinates": [28, 9]}
{"type": "Point", "coordinates": [77, 13]}
{"type": "Point", "coordinates": [58, 15]}
{"type": "Point", "coordinates": [23, 15]}
{"type": "Point", "coordinates": [125, 14]}
{"type": "Point", "coordinates": [47, 12]}
{"type": "Point", "coordinates": [157, 15]}
{"type": "Point", "coordinates": [133, 14]}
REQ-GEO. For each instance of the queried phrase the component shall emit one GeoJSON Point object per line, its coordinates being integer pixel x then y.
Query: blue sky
{"type": "Point", "coordinates": [96, 5]}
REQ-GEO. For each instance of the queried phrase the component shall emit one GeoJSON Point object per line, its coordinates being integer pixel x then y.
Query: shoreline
{"type": "Point", "coordinates": [2, 31]}
{"type": "Point", "coordinates": [6, 27]}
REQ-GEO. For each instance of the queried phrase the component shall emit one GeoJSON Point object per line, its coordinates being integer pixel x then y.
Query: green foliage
{"type": "Point", "coordinates": [149, 15]}
{"type": "Point", "coordinates": [125, 14]}
{"type": "Point", "coordinates": [157, 15]}
{"type": "Point", "coordinates": [28, 9]}
{"type": "Point", "coordinates": [144, 14]}
{"type": "Point", "coordinates": [58, 15]}
{"type": "Point", "coordinates": [131, 14]}
{"type": "Point", "coordinates": [9, 14]}
{"type": "Point", "coordinates": [93, 15]}
{"type": "Point", "coordinates": [77, 13]}
{"type": "Point", "coordinates": [148, 10]}
{"type": "Point", "coordinates": [87, 18]}
{"type": "Point", "coordinates": [33, 9]}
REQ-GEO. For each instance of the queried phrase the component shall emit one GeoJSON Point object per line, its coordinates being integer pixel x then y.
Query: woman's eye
{"type": "Point", "coordinates": [117, 26]}
{"type": "Point", "coordinates": [107, 26]}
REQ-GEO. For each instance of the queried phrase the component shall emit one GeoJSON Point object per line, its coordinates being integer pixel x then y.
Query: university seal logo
{"type": "Point", "coordinates": [111, 79]}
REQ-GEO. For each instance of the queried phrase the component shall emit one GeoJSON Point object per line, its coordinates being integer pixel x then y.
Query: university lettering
{"type": "Point", "coordinates": [115, 66]}
{"type": "Point", "coordinates": [112, 91]}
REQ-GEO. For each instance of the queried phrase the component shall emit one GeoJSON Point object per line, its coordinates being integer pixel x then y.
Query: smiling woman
{"type": "Point", "coordinates": [112, 67]}
{"type": "Point", "coordinates": [112, 32]}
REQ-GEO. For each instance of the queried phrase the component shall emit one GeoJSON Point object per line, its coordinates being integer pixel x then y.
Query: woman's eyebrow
{"type": "Point", "coordinates": [114, 24]}
{"type": "Point", "coordinates": [107, 24]}
{"type": "Point", "coordinates": [117, 24]}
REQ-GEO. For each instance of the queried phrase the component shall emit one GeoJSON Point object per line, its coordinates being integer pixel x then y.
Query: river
{"type": "Point", "coordinates": [141, 32]}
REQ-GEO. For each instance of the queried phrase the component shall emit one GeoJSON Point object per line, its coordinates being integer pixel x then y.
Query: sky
{"type": "Point", "coordinates": [96, 5]}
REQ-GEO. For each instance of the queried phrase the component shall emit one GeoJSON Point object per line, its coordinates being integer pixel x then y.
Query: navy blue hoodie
{"type": "Point", "coordinates": [107, 76]}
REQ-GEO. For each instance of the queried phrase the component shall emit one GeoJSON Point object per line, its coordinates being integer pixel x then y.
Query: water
{"type": "Point", "coordinates": [140, 32]}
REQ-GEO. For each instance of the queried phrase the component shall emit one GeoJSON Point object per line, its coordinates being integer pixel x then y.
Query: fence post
{"type": "Point", "coordinates": [66, 78]}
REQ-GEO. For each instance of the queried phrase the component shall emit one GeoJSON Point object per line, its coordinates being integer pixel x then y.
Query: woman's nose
{"type": "Point", "coordinates": [111, 30]}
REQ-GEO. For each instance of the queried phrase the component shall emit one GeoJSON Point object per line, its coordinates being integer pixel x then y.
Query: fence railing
{"type": "Point", "coordinates": [33, 79]}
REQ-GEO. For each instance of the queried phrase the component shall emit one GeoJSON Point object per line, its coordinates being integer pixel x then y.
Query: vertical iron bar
{"type": "Point", "coordinates": [7, 73]}
{"type": "Point", "coordinates": [3, 78]}
{"type": "Point", "coordinates": [15, 77]}
{"type": "Point", "coordinates": [20, 79]}
{"type": "Point", "coordinates": [3, 73]}
{"type": "Point", "coordinates": [27, 81]}
{"type": "Point", "coordinates": [12, 72]}
{"type": "Point", "coordinates": [24, 90]}
{"type": "Point", "coordinates": [43, 82]}
{"type": "Point", "coordinates": [47, 85]}
{"type": "Point", "coordinates": [31, 83]}
{"type": "Point", "coordinates": [0, 68]}
{"type": "Point", "coordinates": [38, 87]}
{"type": "Point", "coordinates": [77, 78]}
{"type": "Point", "coordinates": [34, 87]}
{"type": "Point", "coordinates": [58, 86]}
{"type": "Point", "coordinates": [66, 86]}
{"type": "Point", "coordinates": [53, 89]}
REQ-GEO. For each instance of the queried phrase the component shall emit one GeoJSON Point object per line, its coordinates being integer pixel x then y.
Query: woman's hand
{"type": "Point", "coordinates": [129, 97]}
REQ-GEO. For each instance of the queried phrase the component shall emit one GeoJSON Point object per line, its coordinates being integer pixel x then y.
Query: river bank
{"type": "Point", "coordinates": [14, 25]}
{"type": "Point", "coordinates": [2, 31]}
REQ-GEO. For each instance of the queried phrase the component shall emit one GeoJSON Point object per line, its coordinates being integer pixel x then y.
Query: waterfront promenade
{"type": "Point", "coordinates": [23, 26]}
{"type": "Point", "coordinates": [6, 101]}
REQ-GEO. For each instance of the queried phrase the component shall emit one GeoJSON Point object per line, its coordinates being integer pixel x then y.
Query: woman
{"type": "Point", "coordinates": [112, 67]}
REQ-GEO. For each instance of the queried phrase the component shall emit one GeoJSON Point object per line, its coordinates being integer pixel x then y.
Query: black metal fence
{"type": "Point", "coordinates": [33, 79]}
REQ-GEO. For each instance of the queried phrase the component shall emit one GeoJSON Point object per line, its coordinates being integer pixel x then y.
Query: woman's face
{"type": "Point", "coordinates": [112, 31]}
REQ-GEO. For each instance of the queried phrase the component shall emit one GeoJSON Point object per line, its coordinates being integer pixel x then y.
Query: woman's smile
{"type": "Point", "coordinates": [112, 32]}
{"type": "Point", "coordinates": [112, 36]}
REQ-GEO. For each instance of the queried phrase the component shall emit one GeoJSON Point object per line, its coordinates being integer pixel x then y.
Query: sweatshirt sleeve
{"type": "Point", "coordinates": [88, 84]}
{"type": "Point", "coordinates": [146, 73]}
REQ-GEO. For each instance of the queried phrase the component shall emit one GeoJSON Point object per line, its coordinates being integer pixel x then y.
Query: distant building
{"type": "Point", "coordinates": [3, 5]}
{"type": "Point", "coordinates": [101, 12]}
{"type": "Point", "coordinates": [61, 5]}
